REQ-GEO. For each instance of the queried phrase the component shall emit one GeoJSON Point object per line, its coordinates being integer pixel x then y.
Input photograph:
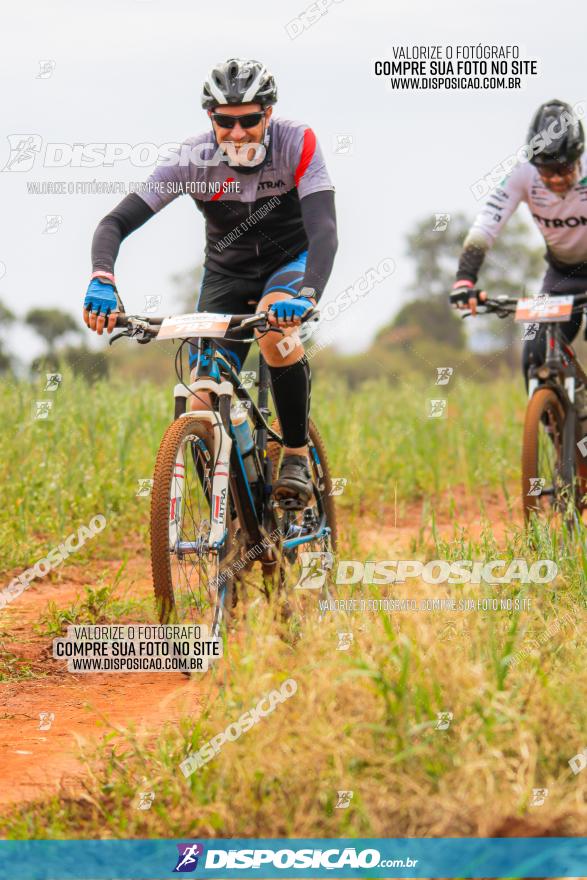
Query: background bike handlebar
{"type": "Point", "coordinates": [495, 303]}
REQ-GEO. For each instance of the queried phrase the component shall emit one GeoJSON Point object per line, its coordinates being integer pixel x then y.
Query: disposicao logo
{"type": "Point", "coordinates": [187, 860]}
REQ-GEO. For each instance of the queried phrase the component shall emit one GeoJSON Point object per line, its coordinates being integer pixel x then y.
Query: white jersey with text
{"type": "Point", "coordinates": [562, 220]}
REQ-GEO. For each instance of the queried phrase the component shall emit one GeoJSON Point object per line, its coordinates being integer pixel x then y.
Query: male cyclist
{"type": "Point", "coordinates": [554, 186]}
{"type": "Point", "coordinates": [268, 205]}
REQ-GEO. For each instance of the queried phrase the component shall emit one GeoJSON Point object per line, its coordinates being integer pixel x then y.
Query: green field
{"type": "Point", "coordinates": [363, 720]}
{"type": "Point", "coordinates": [100, 440]}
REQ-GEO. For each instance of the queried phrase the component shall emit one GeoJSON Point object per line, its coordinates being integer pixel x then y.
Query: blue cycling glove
{"type": "Point", "coordinates": [101, 298]}
{"type": "Point", "coordinates": [289, 309]}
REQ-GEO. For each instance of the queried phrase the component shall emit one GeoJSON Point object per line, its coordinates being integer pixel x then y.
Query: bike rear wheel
{"type": "Point", "coordinates": [192, 584]}
{"type": "Point", "coordinates": [312, 559]}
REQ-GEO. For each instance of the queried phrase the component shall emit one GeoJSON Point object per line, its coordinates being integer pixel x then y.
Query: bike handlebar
{"type": "Point", "coordinates": [506, 305]}
{"type": "Point", "coordinates": [148, 326]}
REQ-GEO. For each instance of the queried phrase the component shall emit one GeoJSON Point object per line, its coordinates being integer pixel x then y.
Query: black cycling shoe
{"type": "Point", "coordinates": [293, 489]}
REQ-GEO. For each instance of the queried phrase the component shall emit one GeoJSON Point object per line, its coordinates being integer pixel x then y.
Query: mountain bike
{"type": "Point", "coordinates": [212, 513]}
{"type": "Point", "coordinates": [553, 446]}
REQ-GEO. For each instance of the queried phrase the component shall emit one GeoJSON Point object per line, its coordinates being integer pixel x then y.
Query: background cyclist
{"type": "Point", "coordinates": [554, 186]}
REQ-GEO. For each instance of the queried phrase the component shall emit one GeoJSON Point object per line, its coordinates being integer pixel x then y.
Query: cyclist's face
{"type": "Point", "coordinates": [560, 179]}
{"type": "Point", "coordinates": [239, 135]}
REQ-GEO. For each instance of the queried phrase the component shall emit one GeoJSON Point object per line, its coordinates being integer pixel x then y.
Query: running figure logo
{"type": "Point", "coordinates": [46, 719]}
{"type": "Point", "coordinates": [338, 485]}
{"type": "Point", "coordinates": [187, 860]}
{"type": "Point", "coordinates": [23, 151]}
{"type": "Point", "coordinates": [437, 409]}
{"type": "Point", "coordinates": [443, 720]}
{"type": "Point", "coordinates": [443, 375]}
{"type": "Point", "coordinates": [42, 409]}
{"type": "Point", "coordinates": [343, 144]}
{"type": "Point", "coordinates": [345, 640]}
{"type": "Point", "coordinates": [441, 222]}
{"type": "Point", "coordinates": [52, 223]}
{"type": "Point", "coordinates": [539, 796]}
{"type": "Point", "coordinates": [46, 68]}
{"type": "Point", "coordinates": [530, 331]}
{"type": "Point", "coordinates": [343, 800]}
{"type": "Point", "coordinates": [152, 302]}
{"type": "Point", "coordinates": [536, 486]}
{"type": "Point", "coordinates": [53, 382]}
{"type": "Point", "coordinates": [315, 566]}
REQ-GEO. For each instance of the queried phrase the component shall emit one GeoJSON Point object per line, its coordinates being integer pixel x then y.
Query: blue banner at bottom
{"type": "Point", "coordinates": [292, 858]}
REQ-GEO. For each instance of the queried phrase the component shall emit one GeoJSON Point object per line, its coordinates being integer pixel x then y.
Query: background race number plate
{"type": "Point", "coordinates": [197, 324]}
{"type": "Point", "coordinates": [540, 309]}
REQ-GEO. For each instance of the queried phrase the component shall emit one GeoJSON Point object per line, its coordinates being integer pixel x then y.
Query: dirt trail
{"type": "Point", "coordinates": [397, 529]}
{"type": "Point", "coordinates": [36, 763]}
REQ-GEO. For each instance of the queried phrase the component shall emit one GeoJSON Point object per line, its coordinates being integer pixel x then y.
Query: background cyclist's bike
{"type": "Point", "coordinates": [553, 454]}
{"type": "Point", "coordinates": [212, 514]}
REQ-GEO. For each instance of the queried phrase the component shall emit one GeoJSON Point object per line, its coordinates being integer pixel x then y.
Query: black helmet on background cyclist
{"type": "Point", "coordinates": [239, 82]}
{"type": "Point", "coordinates": [555, 135]}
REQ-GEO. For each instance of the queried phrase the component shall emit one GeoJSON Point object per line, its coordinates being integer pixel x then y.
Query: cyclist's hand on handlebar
{"type": "Point", "coordinates": [463, 296]}
{"type": "Point", "coordinates": [290, 312]}
{"type": "Point", "coordinates": [102, 304]}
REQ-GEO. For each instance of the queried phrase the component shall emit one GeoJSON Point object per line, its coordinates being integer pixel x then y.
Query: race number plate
{"type": "Point", "coordinates": [197, 324]}
{"type": "Point", "coordinates": [543, 308]}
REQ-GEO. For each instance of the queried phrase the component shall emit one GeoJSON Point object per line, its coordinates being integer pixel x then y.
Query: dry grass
{"type": "Point", "coordinates": [362, 720]}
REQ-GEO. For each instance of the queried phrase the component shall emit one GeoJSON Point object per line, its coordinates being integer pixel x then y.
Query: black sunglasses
{"type": "Point", "coordinates": [558, 169]}
{"type": "Point", "coordinates": [247, 120]}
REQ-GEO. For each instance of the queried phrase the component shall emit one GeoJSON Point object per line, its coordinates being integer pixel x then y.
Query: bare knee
{"type": "Point", "coordinates": [202, 401]}
{"type": "Point", "coordinates": [282, 351]}
{"type": "Point", "coordinates": [280, 348]}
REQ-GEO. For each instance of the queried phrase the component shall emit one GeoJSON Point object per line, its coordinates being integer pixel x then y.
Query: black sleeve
{"type": "Point", "coordinates": [319, 218]}
{"type": "Point", "coordinates": [470, 263]}
{"type": "Point", "coordinates": [127, 216]}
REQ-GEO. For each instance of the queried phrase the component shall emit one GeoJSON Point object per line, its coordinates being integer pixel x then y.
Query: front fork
{"type": "Point", "coordinates": [222, 445]}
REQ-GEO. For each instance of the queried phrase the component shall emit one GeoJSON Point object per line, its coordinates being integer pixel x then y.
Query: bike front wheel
{"type": "Point", "coordinates": [544, 488]}
{"type": "Point", "coordinates": [192, 583]}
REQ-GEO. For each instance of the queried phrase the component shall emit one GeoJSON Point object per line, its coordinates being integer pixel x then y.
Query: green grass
{"type": "Point", "coordinates": [101, 604]}
{"type": "Point", "coordinates": [14, 668]}
{"type": "Point", "coordinates": [85, 460]}
{"type": "Point", "coordinates": [88, 457]}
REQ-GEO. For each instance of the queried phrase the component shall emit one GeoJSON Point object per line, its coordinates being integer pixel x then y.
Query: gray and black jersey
{"type": "Point", "coordinates": [256, 220]}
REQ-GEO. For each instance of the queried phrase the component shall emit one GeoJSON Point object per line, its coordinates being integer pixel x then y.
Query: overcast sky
{"type": "Point", "coordinates": [130, 71]}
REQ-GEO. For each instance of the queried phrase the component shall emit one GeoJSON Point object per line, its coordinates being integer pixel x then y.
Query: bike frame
{"type": "Point", "coordinates": [214, 374]}
{"type": "Point", "coordinates": [560, 372]}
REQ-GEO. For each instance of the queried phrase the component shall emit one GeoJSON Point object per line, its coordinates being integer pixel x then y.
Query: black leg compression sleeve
{"type": "Point", "coordinates": [291, 392]}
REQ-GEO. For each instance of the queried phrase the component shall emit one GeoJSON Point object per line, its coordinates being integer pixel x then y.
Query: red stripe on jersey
{"type": "Point", "coordinates": [218, 195]}
{"type": "Point", "coordinates": [308, 149]}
